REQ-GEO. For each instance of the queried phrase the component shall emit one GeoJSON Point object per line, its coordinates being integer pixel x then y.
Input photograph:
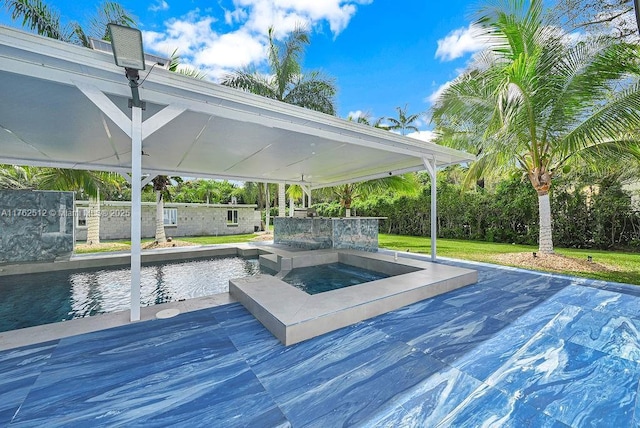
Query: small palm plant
{"type": "Point", "coordinates": [405, 122]}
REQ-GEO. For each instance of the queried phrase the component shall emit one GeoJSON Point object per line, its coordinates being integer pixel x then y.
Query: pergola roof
{"type": "Point", "coordinates": [49, 116]}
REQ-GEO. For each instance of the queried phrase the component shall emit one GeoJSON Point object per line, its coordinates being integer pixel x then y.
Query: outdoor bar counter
{"type": "Point", "coordinates": [358, 233]}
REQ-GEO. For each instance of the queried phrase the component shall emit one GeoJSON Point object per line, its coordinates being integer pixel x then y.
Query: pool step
{"type": "Point", "coordinates": [275, 262]}
{"type": "Point", "coordinates": [282, 274]}
{"type": "Point", "coordinates": [270, 261]}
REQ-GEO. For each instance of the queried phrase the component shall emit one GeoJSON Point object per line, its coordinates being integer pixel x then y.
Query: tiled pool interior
{"type": "Point", "coordinates": [41, 298]}
{"type": "Point", "coordinates": [330, 276]}
{"type": "Point", "coordinates": [516, 349]}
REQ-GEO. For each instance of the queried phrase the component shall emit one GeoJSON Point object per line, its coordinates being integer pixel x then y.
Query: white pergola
{"type": "Point", "coordinates": [66, 106]}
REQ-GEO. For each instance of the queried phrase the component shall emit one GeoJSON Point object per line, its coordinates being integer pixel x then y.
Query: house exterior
{"type": "Point", "coordinates": [634, 189]}
{"type": "Point", "coordinates": [180, 219]}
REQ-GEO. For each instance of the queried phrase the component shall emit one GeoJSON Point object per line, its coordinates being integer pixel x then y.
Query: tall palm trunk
{"type": "Point", "coordinates": [540, 179]}
{"type": "Point", "coordinates": [93, 220]}
{"type": "Point", "coordinates": [160, 235]}
{"type": "Point", "coordinates": [545, 240]}
{"type": "Point", "coordinates": [346, 197]}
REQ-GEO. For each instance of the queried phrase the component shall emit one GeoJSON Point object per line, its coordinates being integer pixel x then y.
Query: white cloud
{"type": "Point", "coordinates": [459, 43]}
{"type": "Point", "coordinates": [354, 115]}
{"type": "Point", "coordinates": [159, 5]}
{"type": "Point", "coordinates": [427, 136]}
{"type": "Point", "coordinates": [436, 94]}
{"type": "Point", "coordinates": [217, 51]}
{"type": "Point", "coordinates": [188, 34]}
{"type": "Point", "coordinates": [286, 13]}
{"type": "Point", "coordinates": [231, 50]}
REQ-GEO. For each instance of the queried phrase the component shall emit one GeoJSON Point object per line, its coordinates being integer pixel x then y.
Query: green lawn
{"type": "Point", "coordinates": [226, 239]}
{"type": "Point", "coordinates": [125, 245]}
{"type": "Point", "coordinates": [626, 266]}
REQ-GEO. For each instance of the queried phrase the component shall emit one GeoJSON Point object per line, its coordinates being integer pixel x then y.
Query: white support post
{"type": "Point", "coordinates": [136, 209]}
{"type": "Point", "coordinates": [430, 165]}
{"type": "Point", "coordinates": [282, 200]}
{"type": "Point", "coordinates": [306, 191]}
{"type": "Point", "coordinates": [138, 131]}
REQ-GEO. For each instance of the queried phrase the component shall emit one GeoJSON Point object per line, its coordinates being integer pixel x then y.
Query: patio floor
{"type": "Point", "coordinates": [516, 349]}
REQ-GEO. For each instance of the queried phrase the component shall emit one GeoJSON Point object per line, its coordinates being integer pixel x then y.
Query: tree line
{"type": "Point", "coordinates": [588, 212]}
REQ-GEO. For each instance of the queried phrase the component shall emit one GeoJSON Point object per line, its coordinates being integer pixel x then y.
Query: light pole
{"type": "Point", "coordinates": [126, 43]}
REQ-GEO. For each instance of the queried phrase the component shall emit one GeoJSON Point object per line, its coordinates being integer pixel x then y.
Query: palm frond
{"type": "Point", "coordinates": [108, 13]}
{"type": "Point", "coordinates": [609, 123]}
{"type": "Point", "coordinates": [286, 82]}
{"type": "Point", "coordinates": [176, 67]}
{"type": "Point", "coordinates": [37, 16]}
{"type": "Point", "coordinates": [314, 93]}
{"type": "Point", "coordinates": [250, 82]}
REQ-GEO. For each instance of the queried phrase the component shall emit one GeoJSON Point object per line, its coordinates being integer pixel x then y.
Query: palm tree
{"type": "Point", "coordinates": [45, 20]}
{"type": "Point", "coordinates": [207, 190]}
{"type": "Point", "coordinates": [365, 119]}
{"type": "Point", "coordinates": [402, 184]}
{"type": "Point", "coordinates": [87, 182]}
{"type": "Point", "coordinates": [286, 82]}
{"type": "Point", "coordinates": [404, 122]}
{"type": "Point", "coordinates": [538, 102]}
{"type": "Point", "coordinates": [18, 177]}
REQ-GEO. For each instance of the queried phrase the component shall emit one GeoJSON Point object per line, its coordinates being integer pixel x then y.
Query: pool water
{"type": "Point", "coordinates": [43, 298]}
{"type": "Point", "coordinates": [321, 278]}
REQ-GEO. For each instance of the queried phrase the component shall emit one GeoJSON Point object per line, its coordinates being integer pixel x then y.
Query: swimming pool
{"type": "Point", "coordinates": [332, 276]}
{"type": "Point", "coordinates": [43, 298]}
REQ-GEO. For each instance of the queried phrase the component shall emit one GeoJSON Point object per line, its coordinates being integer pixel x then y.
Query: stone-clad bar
{"type": "Point", "coordinates": [35, 226]}
{"type": "Point", "coordinates": [312, 233]}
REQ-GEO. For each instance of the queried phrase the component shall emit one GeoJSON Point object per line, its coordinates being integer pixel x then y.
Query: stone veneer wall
{"type": "Point", "coordinates": [193, 220]}
{"type": "Point", "coordinates": [359, 233]}
{"type": "Point", "coordinates": [35, 226]}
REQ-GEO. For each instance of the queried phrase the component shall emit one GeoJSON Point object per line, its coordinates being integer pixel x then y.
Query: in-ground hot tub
{"type": "Point", "coordinates": [293, 315]}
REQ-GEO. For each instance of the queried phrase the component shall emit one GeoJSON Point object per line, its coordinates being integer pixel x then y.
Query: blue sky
{"type": "Point", "coordinates": [381, 54]}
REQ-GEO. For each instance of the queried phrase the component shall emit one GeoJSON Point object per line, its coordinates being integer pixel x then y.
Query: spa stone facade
{"type": "Point", "coordinates": [35, 226]}
{"type": "Point", "coordinates": [357, 233]}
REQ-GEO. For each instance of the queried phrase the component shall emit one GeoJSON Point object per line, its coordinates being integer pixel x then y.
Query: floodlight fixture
{"type": "Point", "coordinates": [126, 43]}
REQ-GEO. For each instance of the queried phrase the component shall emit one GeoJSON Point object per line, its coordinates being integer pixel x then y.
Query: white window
{"type": "Point", "coordinates": [81, 217]}
{"type": "Point", "coordinates": [170, 217]}
{"type": "Point", "coordinates": [232, 217]}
